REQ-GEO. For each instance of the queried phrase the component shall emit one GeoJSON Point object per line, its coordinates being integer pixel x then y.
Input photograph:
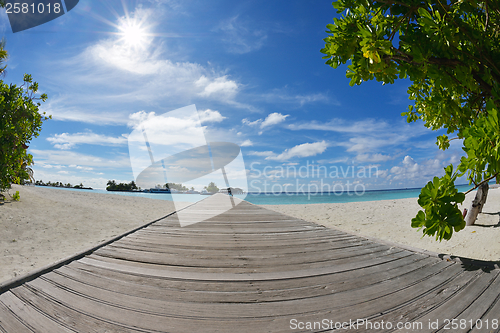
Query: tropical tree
{"type": "Point", "coordinates": [20, 122]}
{"type": "Point", "coordinates": [174, 186]}
{"type": "Point", "coordinates": [212, 188]}
{"type": "Point", "coordinates": [3, 56]}
{"type": "Point", "coordinates": [450, 51]}
{"type": "Point", "coordinates": [113, 186]}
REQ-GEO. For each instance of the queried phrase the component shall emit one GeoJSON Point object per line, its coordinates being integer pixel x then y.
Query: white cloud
{"type": "Point", "coordinates": [164, 77]}
{"type": "Point", "coordinates": [261, 153]}
{"type": "Point", "coordinates": [245, 121]}
{"type": "Point", "coordinates": [79, 167]}
{"type": "Point", "coordinates": [412, 172]}
{"type": "Point", "coordinates": [373, 158]}
{"type": "Point", "coordinates": [220, 86]}
{"type": "Point", "coordinates": [342, 126]}
{"type": "Point", "coordinates": [333, 160]}
{"type": "Point", "coordinates": [246, 143]}
{"type": "Point", "coordinates": [311, 98]}
{"type": "Point", "coordinates": [273, 119]}
{"type": "Point", "coordinates": [68, 158]}
{"type": "Point", "coordinates": [369, 138]}
{"type": "Point", "coordinates": [382, 173]}
{"type": "Point", "coordinates": [303, 150]}
{"type": "Point", "coordinates": [210, 116]}
{"type": "Point", "coordinates": [74, 178]}
{"type": "Point", "coordinates": [239, 38]}
{"type": "Point", "coordinates": [61, 109]}
{"type": "Point", "coordinates": [283, 96]}
{"type": "Point", "coordinates": [122, 79]}
{"type": "Point", "coordinates": [68, 141]}
{"type": "Point", "coordinates": [50, 166]}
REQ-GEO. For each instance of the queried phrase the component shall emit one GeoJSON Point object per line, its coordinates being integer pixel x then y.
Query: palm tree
{"type": "Point", "coordinates": [26, 167]}
{"type": "Point", "coordinates": [3, 57]}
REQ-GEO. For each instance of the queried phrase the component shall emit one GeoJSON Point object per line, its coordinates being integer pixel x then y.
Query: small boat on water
{"type": "Point", "coordinates": [157, 190]}
{"type": "Point", "coordinates": [205, 192]}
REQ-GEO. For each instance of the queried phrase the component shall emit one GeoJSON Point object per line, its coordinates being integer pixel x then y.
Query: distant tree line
{"type": "Point", "coordinates": [113, 186]}
{"type": "Point", "coordinates": [59, 184]}
{"type": "Point", "coordinates": [212, 188]}
{"type": "Point", "coordinates": [174, 186]}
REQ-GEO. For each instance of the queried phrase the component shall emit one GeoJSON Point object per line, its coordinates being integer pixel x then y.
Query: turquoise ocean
{"type": "Point", "coordinates": [286, 198]}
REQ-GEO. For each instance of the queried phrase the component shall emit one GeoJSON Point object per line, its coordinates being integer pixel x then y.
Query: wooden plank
{"type": "Point", "coordinates": [290, 251]}
{"type": "Point", "coordinates": [239, 258]}
{"type": "Point", "coordinates": [71, 292]}
{"type": "Point", "coordinates": [427, 301]}
{"type": "Point", "coordinates": [9, 321]}
{"type": "Point", "coordinates": [205, 274]}
{"type": "Point", "coordinates": [488, 290]}
{"type": "Point", "coordinates": [370, 274]}
{"type": "Point", "coordinates": [246, 269]}
{"type": "Point", "coordinates": [242, 272]}
{"type": "Point", "coordinates": [242, 293]}
{"type": "Point", "coordinates": [78, 321]}
{"type": "Point", "coordinates": [108, 305]}
{"type": "Point", "coordinates": [490, 315]}
{"type": "Point", "coordinates": [103, 317]}
{"type": "Point", "coordinates": [455, 304]}
{"type": "Point", "coordinates": [218, 243]}
{"type": "Point", "coordinates": [36, 320]}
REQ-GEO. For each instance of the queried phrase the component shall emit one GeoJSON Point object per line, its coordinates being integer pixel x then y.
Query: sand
{"type": "Point", "coordinates": [49, 224]}
{"type": "Point", "coordinates": [390, 220]}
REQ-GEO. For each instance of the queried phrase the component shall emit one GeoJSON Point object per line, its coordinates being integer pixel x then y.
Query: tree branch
{"type": "Point", "coordinates": [481, 183]}
{"type": "Point", "coordinates": [487, 87]}
{"type": "Point", "coordinates": [391, 2]}
{"type": "Point", "coordinates": [487, 16]}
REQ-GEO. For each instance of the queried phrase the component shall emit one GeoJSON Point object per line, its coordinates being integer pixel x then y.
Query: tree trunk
{"type": "Point", "coordinates": [477, 204]}
{"type": "Point", "coordinates": [485, 187]}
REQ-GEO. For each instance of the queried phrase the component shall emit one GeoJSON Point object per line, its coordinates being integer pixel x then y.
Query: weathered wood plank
{"type": "Point", "coordinates": [372, 274]}
{"type": "Point", "coordinates": [240, 292]}
{"type": "Point", "coordinates": [245, 270]}
{"type": "Point", "coordinates": [30, 317]}
{"type": "Point", "coordinates": [9, 321]}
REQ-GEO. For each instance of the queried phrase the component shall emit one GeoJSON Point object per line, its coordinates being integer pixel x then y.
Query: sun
{"type": "Point", "coordinates": [133, 33]}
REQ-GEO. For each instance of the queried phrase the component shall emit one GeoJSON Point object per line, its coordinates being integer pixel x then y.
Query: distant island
{"type": "Point", "coordinates": [170, 188]}
{"type": "Point", "coordinates": [59, 184]}
{"type": "Point", "coordinates": [123, 187]}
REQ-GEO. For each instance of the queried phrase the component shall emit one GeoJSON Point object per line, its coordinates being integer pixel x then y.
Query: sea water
{"type": "Point", "coordinates": [285, 198]}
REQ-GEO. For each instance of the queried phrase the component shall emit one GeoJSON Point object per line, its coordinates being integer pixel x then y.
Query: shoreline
{"type": "Point", "coordinates": [390, 220]}
{"type": "Point", "coordinates": [48, 225]}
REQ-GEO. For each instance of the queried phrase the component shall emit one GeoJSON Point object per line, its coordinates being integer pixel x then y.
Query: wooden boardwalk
{"type": "Point", "coordinates": [249, 270]}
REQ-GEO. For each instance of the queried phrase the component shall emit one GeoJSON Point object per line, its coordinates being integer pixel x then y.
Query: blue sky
{"type": "Point", "coordinates": [253, 69]}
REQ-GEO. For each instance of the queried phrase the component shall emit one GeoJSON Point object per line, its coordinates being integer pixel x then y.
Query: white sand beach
{"type": "Point", "coordinates": [51, 224]}
{"type": "Point", "coordinates": [390, 220]}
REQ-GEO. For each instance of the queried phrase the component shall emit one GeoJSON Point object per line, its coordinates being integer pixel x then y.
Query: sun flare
{"type": "Point", "coordinates": [133, 33]}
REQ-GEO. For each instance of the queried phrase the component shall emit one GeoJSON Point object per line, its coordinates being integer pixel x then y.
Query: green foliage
{"type": "Point", "coordinates": [450, 51]}
{"type": "Point", "coordinates": [174, 186]}
{"type": "Point", "coordinates": [440, 200]}
{"type": "Point", "coordinates": [60, 184]}
{"type": "Point", "coordinates": [16, 196]}
{"type": "Point", "coordinates": [20, 122]}
{"type": "Point", "coordinates": [482, 146]}
{"type": "Point", "coordinates": [212, 188]}
{"type": "Point", "coordinates": [113, 186]}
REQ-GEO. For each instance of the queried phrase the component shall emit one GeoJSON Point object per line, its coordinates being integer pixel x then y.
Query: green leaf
{"type": "Point", "coordinates": [424, 13]}
{"type": "Point", "coordinates": [450, 55]}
